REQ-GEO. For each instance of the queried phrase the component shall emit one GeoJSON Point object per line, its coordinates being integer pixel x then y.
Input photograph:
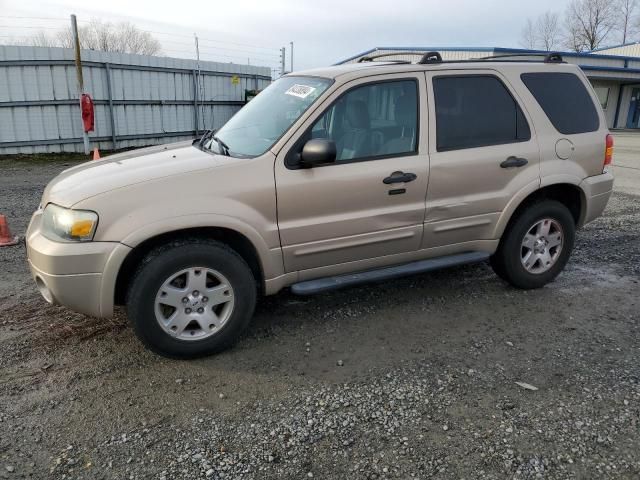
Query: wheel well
{"type": "Point", "coordinates": [238, 242]}
{"type": "Point", "coordinates": [569, 195]}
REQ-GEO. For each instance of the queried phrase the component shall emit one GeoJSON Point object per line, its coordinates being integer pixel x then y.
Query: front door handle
{"type": "Point", "coordinates": [514, 162]}
{"type": "Point", "coordinates": [399, 177]}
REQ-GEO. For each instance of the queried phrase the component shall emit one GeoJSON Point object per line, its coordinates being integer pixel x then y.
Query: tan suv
{"type": "Point", "coordinates": [328, 178]}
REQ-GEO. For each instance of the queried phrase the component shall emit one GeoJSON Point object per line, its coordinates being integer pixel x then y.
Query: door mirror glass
{"type": "Point", "coordinates": [317, 152]}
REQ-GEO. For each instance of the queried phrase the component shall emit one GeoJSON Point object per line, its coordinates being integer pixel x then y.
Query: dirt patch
{"type": "Point", "coordinates": [414, 378]}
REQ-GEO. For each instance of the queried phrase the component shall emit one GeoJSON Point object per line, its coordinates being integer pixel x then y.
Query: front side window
{"type": "Point", "coordinates": [261, 123]}
{"type": "Point", "coordinates": [476, 111]}
{"type": "Point", "coordinates": [565, 100]}
{"type": "Point", "coordinates": [375, 120]}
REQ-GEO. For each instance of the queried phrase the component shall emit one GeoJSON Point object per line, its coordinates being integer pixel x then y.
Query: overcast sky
{"type": "Point", "coordinates": [323, 32]}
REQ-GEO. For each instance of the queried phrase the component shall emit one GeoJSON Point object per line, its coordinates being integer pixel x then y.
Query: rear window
{"type": "Point", "coordinates": [565, 100]}
{"type": "Point", "coordinates": [476, 111]}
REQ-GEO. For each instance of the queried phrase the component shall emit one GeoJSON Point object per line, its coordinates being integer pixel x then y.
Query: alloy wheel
{"type": "Point", "coordinates": [194, 303]}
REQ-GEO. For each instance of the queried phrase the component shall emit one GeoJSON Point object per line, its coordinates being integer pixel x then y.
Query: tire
{"type": "Point", "coordinates": [168, 300]}
{"type": "Point", "coordinates": [526, 257]}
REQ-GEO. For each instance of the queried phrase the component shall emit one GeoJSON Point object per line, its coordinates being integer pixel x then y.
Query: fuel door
{"type": "Point", "coordinates": [564, 148]}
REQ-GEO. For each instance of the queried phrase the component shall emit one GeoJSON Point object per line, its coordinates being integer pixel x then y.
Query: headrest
{"type": "Point", "coordinates": [358, 114]}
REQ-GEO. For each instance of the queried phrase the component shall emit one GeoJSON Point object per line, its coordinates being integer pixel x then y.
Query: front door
{"type": "Point", "coordinates": [482, 152]}
{"type": "Point", "coordinates": [370, 202]}
{"type": "Point", "coordinates": [633, 118]}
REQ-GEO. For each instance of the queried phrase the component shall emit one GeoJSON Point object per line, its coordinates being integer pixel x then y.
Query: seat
{"type": "Point", "coordinates": [356, 140]}
{"type": "Point", "coordinates": [405, 110]}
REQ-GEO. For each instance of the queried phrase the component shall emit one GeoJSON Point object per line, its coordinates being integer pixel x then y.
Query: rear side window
{"type": "Point", "coordinates": [565, 100]}
{"type": "Point", "coordinates": [476, 111]}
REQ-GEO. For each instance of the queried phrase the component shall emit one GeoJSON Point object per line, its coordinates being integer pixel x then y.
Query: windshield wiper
{"type": "Point", "coordinates": [224, 148]}
{"type": "Point", "coordinates": [210, 134]}
{"type": "Point", "coordinates": [205, 136]}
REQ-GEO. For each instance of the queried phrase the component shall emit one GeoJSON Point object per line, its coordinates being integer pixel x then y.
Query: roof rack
{"type": "Point", "coordinates": [435, 57]}
{"type": "Point", "coordinates": [371, 58]}
{"type": "Point", "coordinates": [552, 57]}
{"type": "Point", "coordinates": [430, 57]}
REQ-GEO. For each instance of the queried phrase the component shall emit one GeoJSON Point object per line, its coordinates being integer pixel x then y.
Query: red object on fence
{"type": "Point", "coordinates": [87, 112]}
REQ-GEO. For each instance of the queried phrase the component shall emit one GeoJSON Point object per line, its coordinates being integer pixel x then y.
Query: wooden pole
{"type": "Point", "coordinates": [76, 44]}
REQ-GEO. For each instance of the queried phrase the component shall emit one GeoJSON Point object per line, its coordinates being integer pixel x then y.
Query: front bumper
{"type": "Point", "coordinates": [597, 190]}
{"type": "Point", "coordinates": [81, 276]}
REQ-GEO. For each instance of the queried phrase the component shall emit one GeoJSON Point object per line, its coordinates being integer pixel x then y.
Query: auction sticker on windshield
{"type": "Point", "coordinates": [301, 91]}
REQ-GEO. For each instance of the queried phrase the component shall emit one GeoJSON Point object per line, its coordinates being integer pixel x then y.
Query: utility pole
{"type": "Point", "coordinates": [291, 53]}
{"type": "Point", "coordinates": [197, 51]}
{"type": "Point", "coordinates": [76, 44]}
{"type": "Point", "coordinates": [197, 81]}
{"type": "Point", "coordinates": [282, 61]}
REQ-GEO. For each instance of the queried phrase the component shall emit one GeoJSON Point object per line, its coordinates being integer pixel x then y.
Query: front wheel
{"type": "Point", "coordinates": [191, 298]}
{"type": "Point", "coordinates": [536, 245]}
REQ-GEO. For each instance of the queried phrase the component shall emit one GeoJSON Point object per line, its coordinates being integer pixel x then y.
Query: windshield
{"type": "Point", "coordinates": [262, 121]}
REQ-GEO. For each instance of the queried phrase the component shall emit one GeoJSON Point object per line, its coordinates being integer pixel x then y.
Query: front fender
{"type": "Point", "coordinates": [238, 195]}
{"type": "Point", "coordinates": [270, 258]}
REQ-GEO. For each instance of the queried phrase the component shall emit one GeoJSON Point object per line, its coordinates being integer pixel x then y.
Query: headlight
{"type": "Point", "coordinates": [65, 224]}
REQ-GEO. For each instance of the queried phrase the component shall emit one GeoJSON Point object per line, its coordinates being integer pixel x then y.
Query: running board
{"type": "Point", "coordinates": [319, 285]}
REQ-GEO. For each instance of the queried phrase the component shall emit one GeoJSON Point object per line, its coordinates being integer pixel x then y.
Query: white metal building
{"type": "Point", "coordinates": [625, 50]}
{"type": "Point", "coordinates": [614, 73]}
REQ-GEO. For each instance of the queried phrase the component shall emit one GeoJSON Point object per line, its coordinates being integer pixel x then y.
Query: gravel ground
{"type": "Point", "coordinates": [445, 375]}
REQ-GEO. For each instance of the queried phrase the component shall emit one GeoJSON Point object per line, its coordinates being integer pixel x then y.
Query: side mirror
{"type": "Point", "coordinates": [318, 151]}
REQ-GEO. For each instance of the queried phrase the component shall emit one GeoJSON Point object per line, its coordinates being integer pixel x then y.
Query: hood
{"type": "Point", "coordinates": [127, 168]}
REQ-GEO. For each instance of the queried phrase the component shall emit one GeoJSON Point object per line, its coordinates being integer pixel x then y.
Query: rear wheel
{"type": "Point", "coordinates": [191, 298]}
{"type": "Point", "coordinates": [536, 246]}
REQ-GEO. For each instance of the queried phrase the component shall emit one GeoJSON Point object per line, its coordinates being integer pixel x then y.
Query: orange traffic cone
{"type": "Point", "coordinates": [6, 239]}
{"type": "Point", "coordinates": [96, 154]}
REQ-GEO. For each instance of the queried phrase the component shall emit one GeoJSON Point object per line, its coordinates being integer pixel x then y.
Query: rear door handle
{"type": "Point", "coordinates": [514, 162]}
{"type": "Point", "coordinates": [399, 177]}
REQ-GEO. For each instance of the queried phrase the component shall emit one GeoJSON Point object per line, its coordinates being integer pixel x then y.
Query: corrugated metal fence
{"type": "Point", "coordinates": [140, 100]}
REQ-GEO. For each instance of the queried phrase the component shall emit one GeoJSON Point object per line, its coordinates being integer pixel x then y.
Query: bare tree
{"type": "Point", "coordinates": [104, 36]}
{"type": "Point", "coordinates": [108, 37]}
{"type": "Point", "coordinates": [529, 38]}
{"type": "Point", "coordinates": [548, 28]}
{"type": "Point", "coordinates": [627, 18]}
{"type": "Point", "coordinates": [543, 33]}
{"type": "Point", "coordinates": [573, 38]}
{"type": "Point", "coordinates": [40, 39]}
{"type": "Point", "coordinates": [589, 23]}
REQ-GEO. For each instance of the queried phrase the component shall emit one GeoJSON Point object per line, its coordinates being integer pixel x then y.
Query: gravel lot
{"type": "Point", "coordinates": [415, 378]}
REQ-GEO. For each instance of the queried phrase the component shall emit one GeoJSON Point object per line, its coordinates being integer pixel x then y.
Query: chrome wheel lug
{"type": "Point", "coordinates": [187, 310]}
{"type": "Point", "coordinates": [196, 293]}
{"type": "Point", "coordinates": [205, 299]}
{"type": "Point", "coordinates": [185, 300]}
{"type": "Point", "coordinates": [200, 310]}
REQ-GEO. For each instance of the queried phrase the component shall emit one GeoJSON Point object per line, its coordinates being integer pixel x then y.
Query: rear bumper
{"type": "Point", "coordinates": [597, 190]}
{"type": "Point", "coordinates": [81, 276]}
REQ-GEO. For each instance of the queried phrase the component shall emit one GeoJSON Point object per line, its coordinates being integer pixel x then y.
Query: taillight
{"type": "Point", "coordinates": [608, 151]}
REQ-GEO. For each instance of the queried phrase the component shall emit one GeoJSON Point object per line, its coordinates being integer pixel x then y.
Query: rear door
{"type": "Point", "coordinates": [357, 208]}
{"type": "Point", "coordinates": [483, 150]}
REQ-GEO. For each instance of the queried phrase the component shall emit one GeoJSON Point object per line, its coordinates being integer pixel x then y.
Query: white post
{"type": "Point", "coordinates": [291, 43]}
{"type": "Point", "coordinates": [200, 94]}
{"type": "Point", "coordinates": [76, 43]}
